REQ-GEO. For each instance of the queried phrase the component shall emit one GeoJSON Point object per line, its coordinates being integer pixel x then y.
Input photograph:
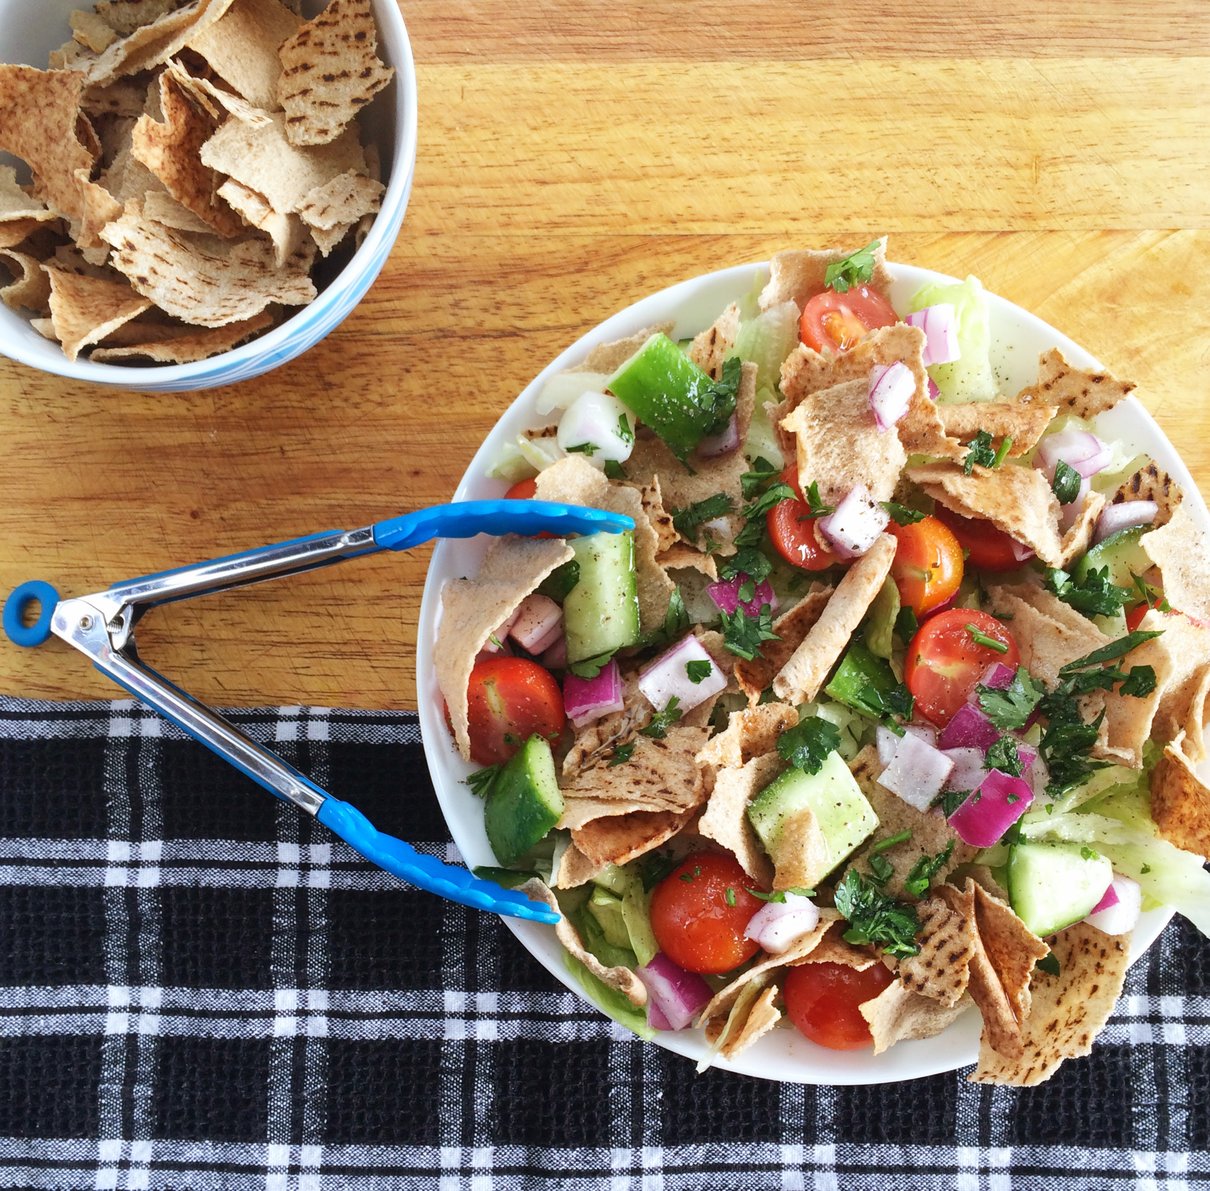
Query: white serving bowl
{"type": "Point", "coordinates": [30, 29]}
{"type": "Point", "coordinates": [784, 1055]}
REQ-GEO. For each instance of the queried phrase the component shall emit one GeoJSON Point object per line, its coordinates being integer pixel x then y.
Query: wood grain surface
{"type": "Point", "coordinates": [574, 157]}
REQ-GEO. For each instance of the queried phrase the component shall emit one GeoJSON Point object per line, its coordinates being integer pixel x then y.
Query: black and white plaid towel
{"type": "Point", "coordinates": [200, 988]}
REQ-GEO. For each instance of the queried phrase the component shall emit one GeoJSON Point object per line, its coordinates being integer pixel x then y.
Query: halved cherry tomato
{"type": "Point", "coordinates": [823, 1001]}
{"type": "Point", "coordinates": [699, 912]}
{"type": "Point", "coordinates": [945, 662]}
{"type": "Point", "coordinates": [509, 700]}
{"type": "Point", "coordinates": [522, 490]}
{"type": "Point", "coordinates": [927, 567]}
{"type": "Point", "coordinates": [987, 547]}
{"type": "Point", "coordinates": [835, 322]}
{"type": "Point", "coordinates": [792, 530]}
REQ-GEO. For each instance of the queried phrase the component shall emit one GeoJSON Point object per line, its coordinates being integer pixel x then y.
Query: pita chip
{"type": "Point", "coordinates": [91, 31]}
{"type": "Point", "coordinates": [799, 275]}
{"type": "Point", "coordinates": [1073, 390]}
{"type": "Point", "coordinates": [897, 1014]}
{"type": "Point", "coordinates": [205, 280]}
{"type": "Point", "coordinates": [711, 348]}
{"type": "Point", "coordinates": [750, 732]}
{"type": "Point", "coordinates": [335, 55]}
{"type": "Point", "coordinates": [618, 839]}
{"type": "Point", "coordinates": [16, 231]}
{"type": "Point", "coordinates": [725, 819]}
{"type": "Point", "coordinates": [125, 16]}
{"type": "Point", "coordinates": [472, 609]}
{"type": "Point", "coordinates": [286, 231]}
{"type": "Point", "coordinates": [1150, 482]}
{"type": "Point", "coordinates": [1182, 552]}
{"type": "Point", "coordinates": [1180, 801]}
{"type": "Point", "coordinates": [192, 344]}
{"type": "Point", "coordinates": [791, 627]}
{"type": "Point", "coordinates": [160, 207]}
{"type": "Point", "coordinates": [753, 1015]}
{"type": "Point", "coordinates": [242, 48]}
{"type": "Point", "coordinates": [29, 288]}
{"type": "Point", "coordinates": [620, 978]}
{"type": "Point", "coordinates": [216, 100]}
{"type": "Point", "coordinates": [801, 678]}
{"type": "Point", "coordinates": [941, 968]}
{"type": "Point", "coordinates": [151, 44]}
{"type": "Point", "coordinates": [16, 204]}
{"type": "Point", "coordinates": [170, 149]}
{"type": "Point", "coordinates": [1067, 1010]}
{"type": "Point", "coordinates": [1023, 424]}
{"type": "Point", "coordinates": [84, 309]}
{"type": "Point", "coordinates": [839, 445]}
{"type": "Point", "coordinates": [1048, 632]}
{"type": "Point", "coordinates": [341, 202]}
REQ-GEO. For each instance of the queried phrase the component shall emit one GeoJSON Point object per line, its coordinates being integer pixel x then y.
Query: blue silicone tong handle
{"type": "Point", "coordinates": [467, 518]}
{"type": "Point", "coordinates": [426, 872]}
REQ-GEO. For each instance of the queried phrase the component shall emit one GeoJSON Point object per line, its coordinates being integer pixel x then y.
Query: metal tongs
{"type": "Point", "coordinates": [102, 626]}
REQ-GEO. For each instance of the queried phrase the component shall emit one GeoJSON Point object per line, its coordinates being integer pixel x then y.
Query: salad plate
{"type": "Point", "coordinates": [1018, 338]}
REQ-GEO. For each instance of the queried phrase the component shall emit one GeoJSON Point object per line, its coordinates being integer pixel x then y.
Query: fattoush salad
{"type": "Point", "coordinates": [889, 706]}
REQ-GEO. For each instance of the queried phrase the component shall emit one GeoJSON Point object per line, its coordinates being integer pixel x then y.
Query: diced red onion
{"type": "Point", "coordinates": [1110, 899]}
{"type": "Point", "coordinates": [556, 632]}
{"type": "Point", "coordinates": [969, 770]}
{"type": "Point", "coordinates": [891, 389]}
{"type": "Point", "coordinates": [940, 326]}
{"type": "Point", "coordinates": [1021, 552]}
{"type": "Point", "coordinates": [776, 925]}
{"type": "Point", "coordinates": [992, 809]}
{"type": "Point", "coordinates": [855, 524]}
{"type": "Point", "coordinates": [1120, 917]}
{"type": "Point", "coordinates": [1027, 755]}
{"type": "Point", "coordinates": [933, 391]}
{"type": "Point", "coordinates": [917, 771]}
{"type": "Point", "coordinates": [555, 657]}
{"type": "Point", "coordinates": [674, 994]}
{"type": "Point", "coordinates": [655, 1017]}
{"type": "Point", "coordinates": [594, 420]}
{"type": "Point", "coordinates": [537, 616]}
{"type": "Point", "coordinates": [998, 676]}
{"type": "Point", "coordinates": [667, 678]}
{"type": "Point", "coordinates": [1080, 449]}
{"type": "Point", "coordinates": [587, 699]}
{"type": "Point", "coordinates": [1124, 515]}
{"type": "Point", "coordinates": [723, 443]}
{"type": "Point", "coordinates": [969, 728]}
{"type": "Point", "coordinates": [725, 593]}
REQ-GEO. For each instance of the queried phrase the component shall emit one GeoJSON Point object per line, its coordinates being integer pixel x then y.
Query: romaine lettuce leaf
{"type": "Point", "coordinates": [969, 378]}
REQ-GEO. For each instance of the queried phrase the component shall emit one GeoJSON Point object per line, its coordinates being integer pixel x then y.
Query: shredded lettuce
{"type": "Point", "coordinates": [564, 387]}
{"type": "Point", "coordinates": [761, 442]}
{"type": "Point", "coordinates": [610, 1002]}
{"type": "Point", "coordinates": [524, 457]}
{"type": "Point", "coordinates": [767, 340]}
{"type": "Point", "coordinates": [969, 378]}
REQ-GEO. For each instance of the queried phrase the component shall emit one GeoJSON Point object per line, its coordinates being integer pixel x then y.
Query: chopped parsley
{"type": "Point", "coordinates": [855, 269]}
{"type": "Point", "coordinates": [950, 800]}
{"type": "Point", "coordinates": [614, 470]}
{"type": "Point", "coordinates": [743, 634]}
{"type": "Point", "coordinates": [1094, 594]}
{"type": "Point", "coordinates": [625, 430]}
{"type": "Point", "coordinates": [906, 624]}
{"type": "Point", "coordinates": [925, 869]}
{"type": "Point", "coordinates": [590, 667]}
{"type": "Point", "coordinates": [621, 754]}
{"type": "Point", "coordinates": [747, 560]}
{"type": "Point", "coordinates": [982, 451]}
{"type": "Point", "coordinates": [584, 448]}
{"type": "Point", "coordinates": [1049, 964]}
{"type": "Point", "coordinates": [481, 780]}
{"type": "Point", "coordinates": [901, 514]}
{"type": "Point", "coordinates": [560, 581]}
{"type": "Point", "coordinates": [779, 895]}
{"type": "Point", "coordinates": [876, 918]}
{"type": "Point", "coordinates": [981, 638]}
{"type": "Point", "coordinates": [1110, 652]}
{"type": "Point", "coordinates": [814, 503]}
{"type": "Point", "coordinates": [691, 518]}
{"type": "Point", "coordinates": [1009, 709]}
{"type": "Point", "coordinates": [698, 670]}
{"type": "Point", "coordinates": [689, 876]}
{"type": "Point", "coordinates": [729, 896]}
{"type": "Point", "coordinates": [808, 744]}
{"type": "Point", "coordinates": [1004, 756]}
{"type": "Point", "coordinates": [753, 482]}
{"type": "Point", "coordinates": [675, 626]}
{"type": "Point", "coordinates": [719, 397]}
{"type": "Point", "coordinates": [663, 720]}
{"type": "Point", "coordinates": [1066, 484]}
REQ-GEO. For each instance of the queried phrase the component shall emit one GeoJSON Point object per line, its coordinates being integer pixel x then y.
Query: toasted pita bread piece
{"type": "Point", "coordinates": [286, 231]}
{"type": "Point", "coordinates": [1180, 801]}
{"type": "Point", "coordinates": [472, 609]}
{"type": "Point", "coordinates": [897, 1014]}
{"type": "Point", "coordinates": [1073, 390]}
{"type": "Point", "coordinates": [15, 232]}
{"type": "Point", "coordinates": [805, 371]}
{"type": "Point", "coordinates": [1150, 482]}
{"type": "Point", "coordinates": [201, 279]}
{"type": "Point", "coordinates": [620, 978]}
{"type": "Point", "coordinates": [29, 288]}
{"type": "Point", "coordinates": [609, 357]}
{"type": "Point", "coordinates": [1048, 632]}
{"type": "Point", "coordinates": [725, 819]}
{"type": "Point", "coordinates": [755, 676]}
{"type": "Point", "coordinates": [242, 48]}
{"type": "Point", "coordinates": [91, 31]}
{"type": "Point", "coordinates": [710, 349]}
{"type": "Point", "coordinates": [187, 347]}
{"type": "Point", "coordinates": [170, 149]}
{"type": "Point", "coordinates": [750, 732]}
{"type": "Point", "coordinates": [1015, 499]}
{"type": "Point", "coordinates": [619, 839]}
{"type": "Point", "coordinates": [160, 207]}
{"type": "Point", "coordinates": [1181, 550]}
{"type": "Point", "coordinates": [1023, 424]}
{"type": "Point", "coordinates": [330, 71]}
{"type": "Point", "coordinates": [342, 201]}
{"type": "Point", "coordinates": [576, 481]}
{"type": "Point", "coordinates": [83, 310]}
{"type": "Point", "coordinates": [125, 16]}
{"type": "Point", "coordinates": [930, 833]}
{"type": "Point", "coordinates": [941, 968]}
{"type": "Point", "coordinates": [799, 275]}
{"type": "Point", "coordinates": [216, 100]}
{"type": "Point", "coordinates": [801, 678]}
{"type": "Point", "coordinates": [123, 98]}
{"type": "Point", "coordinates": [18, 206]}
{"type": "Point", "coordinates": [839, 446]}
{"type": "Point", "coordinates": [753, 1015]}
{"type": "Point", "coordinates": [152, 44]}
{"type": "Point", "coordinates": [1067, 1011]}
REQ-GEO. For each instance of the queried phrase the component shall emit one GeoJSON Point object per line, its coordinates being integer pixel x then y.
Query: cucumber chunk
{"type": "Point", "coordinates": [601, 613]}
{"type": "Point", "coordinates": [523, 803]}
{"type": "Point", "coordinates": [1121, 552]}
{"type": "Point", "coordinates": [1052, 885]}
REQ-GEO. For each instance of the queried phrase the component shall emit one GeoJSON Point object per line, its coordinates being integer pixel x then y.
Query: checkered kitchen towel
{"type": "Point", "coordinates": [199, 988]}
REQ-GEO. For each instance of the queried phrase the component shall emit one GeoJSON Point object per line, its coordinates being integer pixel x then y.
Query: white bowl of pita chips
{"type": "Point", "coordinates": [194, 193]}
{"type": "Point", "coordinates": [1095, 962]}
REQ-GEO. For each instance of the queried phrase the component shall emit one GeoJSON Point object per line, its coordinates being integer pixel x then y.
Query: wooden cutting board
{"type": "Point", "coordinates": [574, 157]}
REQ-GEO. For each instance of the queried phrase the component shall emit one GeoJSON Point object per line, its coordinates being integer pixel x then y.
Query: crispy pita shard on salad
{"type": "Point", "coordinates": [899, 683]}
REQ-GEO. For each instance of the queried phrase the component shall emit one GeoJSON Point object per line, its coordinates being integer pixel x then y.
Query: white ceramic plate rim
{"type": "Point", "coordinates": [1018, 339]}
